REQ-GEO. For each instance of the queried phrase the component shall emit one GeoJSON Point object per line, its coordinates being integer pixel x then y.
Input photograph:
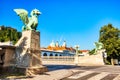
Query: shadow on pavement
{"type": "Point", "coordinates": [58, 67]}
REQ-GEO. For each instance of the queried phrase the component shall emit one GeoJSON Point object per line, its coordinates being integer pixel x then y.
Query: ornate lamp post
{"type": "Point", "coordinates": [77, 47]}
{"type": "Point", "coordinates": [76, 60]}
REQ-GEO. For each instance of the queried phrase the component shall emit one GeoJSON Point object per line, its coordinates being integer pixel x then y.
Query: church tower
{"type": "Point", "coordinates": [52, 44]}
{"type": "Point", "coordinates": [57, 44]}
{"type": "Point", "coordinates": [64, 44]}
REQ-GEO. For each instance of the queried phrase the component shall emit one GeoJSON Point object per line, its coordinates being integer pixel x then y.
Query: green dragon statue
{"type": "Point", "coordinates": [99, 46]}
{"type": "Point", "coordinates": [31, 22]}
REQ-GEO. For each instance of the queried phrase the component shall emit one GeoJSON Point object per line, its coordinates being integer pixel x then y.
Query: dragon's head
{"type": "Point", "coordinates": [35, 12]}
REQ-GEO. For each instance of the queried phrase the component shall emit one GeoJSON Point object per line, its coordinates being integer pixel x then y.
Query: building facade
{"type": "Point", "coordinates": [54, 49]}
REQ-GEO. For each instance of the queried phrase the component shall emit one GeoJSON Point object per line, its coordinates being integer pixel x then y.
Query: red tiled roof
{"type": "Point", "coordinates": [84, 50]}
{"type": "Point", "coordinates": [60, 48]}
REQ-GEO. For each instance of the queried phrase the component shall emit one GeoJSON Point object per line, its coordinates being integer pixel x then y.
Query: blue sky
{"type": "Point", "coordinates": [75, 21]}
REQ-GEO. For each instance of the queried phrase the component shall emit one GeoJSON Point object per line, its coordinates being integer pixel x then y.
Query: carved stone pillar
{"type": "Point", "coordinates": [28, 53]}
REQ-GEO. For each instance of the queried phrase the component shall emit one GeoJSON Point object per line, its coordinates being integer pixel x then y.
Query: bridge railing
{"type": "Point", "coordinates": [58, 58]}
{"type": "Point", "coordinates": [66, 60]}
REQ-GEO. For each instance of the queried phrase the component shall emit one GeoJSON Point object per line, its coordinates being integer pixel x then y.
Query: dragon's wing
{"type": "Point", "coordinates": [23, 15]}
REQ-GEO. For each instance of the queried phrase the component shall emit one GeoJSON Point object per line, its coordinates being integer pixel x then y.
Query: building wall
{"type": "Point", "coordinates": [51, 53]}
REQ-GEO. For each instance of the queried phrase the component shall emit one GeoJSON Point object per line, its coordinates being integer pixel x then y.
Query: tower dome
{"type": "Point", "coordinates": [57, 44]}
{"type": "Point", "coordinates": [64, 44]}
{"type": "Point", "coordinates": [52, 44]}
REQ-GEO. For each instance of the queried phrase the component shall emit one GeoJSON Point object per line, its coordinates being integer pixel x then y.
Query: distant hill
{"type": "Point", "coordinates": [9, 34]}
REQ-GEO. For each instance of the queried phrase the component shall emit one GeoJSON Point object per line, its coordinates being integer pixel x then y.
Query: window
{"type": "Point", "coordinates": [45, 54]}
{"type": "Point", "coordinates": [51, 54]}
{"type": "Point", "coordinates": [56, 54]}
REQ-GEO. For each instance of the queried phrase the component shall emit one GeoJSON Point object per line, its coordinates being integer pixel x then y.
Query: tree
{"type": "Point", "coordinates": [9, 34]}
{"type": "Point", "coordinates": [110, 37]}
{"type": "Point", "coordinates": [92, 52]}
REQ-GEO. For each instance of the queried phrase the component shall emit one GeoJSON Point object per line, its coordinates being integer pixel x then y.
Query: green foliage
{"type": "Point", "coordinates": [79, 52]}
{"type": "Point", "coordinates": [9, 34]}
{"type": "Point", "coordinates": [92, 52]}
{"type": "Point", "coordinates": [110, 37]}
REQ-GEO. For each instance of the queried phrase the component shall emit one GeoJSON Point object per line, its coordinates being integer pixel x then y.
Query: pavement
{"type": "Point", "coordinates": [72, 72]}
{"type": "Point", "coordinates": [52, 75]}
{"type": "Point", "coordinates": [56, 72]}
{"type": "Point", "coordinates": [95, 73]}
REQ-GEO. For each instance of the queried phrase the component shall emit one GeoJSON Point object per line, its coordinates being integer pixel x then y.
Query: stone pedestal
{"type": "Point", "coordinates": [28, 56]}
